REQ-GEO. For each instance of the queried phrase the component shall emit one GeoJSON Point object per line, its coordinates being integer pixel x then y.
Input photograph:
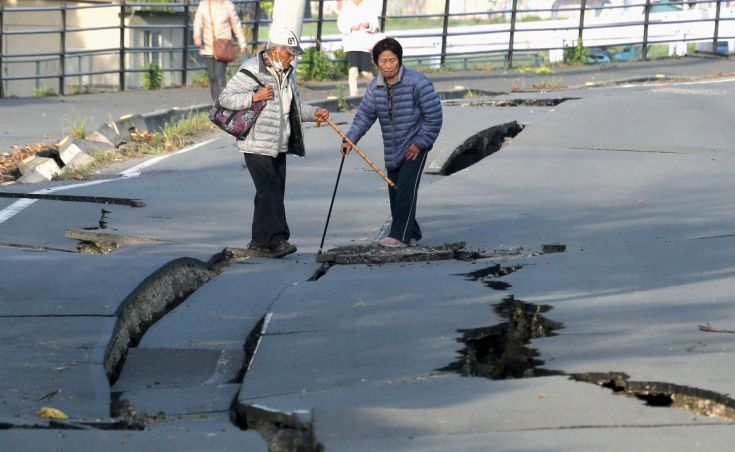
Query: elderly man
{"type": "Point", "coordinates": [276, 132]}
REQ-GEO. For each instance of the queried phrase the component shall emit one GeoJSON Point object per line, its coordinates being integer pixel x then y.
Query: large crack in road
{"type": "Point", "coordinates": [501, 351]}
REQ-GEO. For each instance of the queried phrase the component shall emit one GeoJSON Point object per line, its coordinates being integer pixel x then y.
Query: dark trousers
{"type": "Point", "coordinates": [269, 215]}
{"type": "Point", "coordinates": [216, 73]}
{"type": "Point", "coordinates": [403, 199]}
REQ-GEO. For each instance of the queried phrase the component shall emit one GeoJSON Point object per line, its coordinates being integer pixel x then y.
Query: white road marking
{"type": "Point", "coordinates": [20, 205]}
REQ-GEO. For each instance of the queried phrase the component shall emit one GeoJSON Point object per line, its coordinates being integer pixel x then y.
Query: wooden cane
{"type": "Point", "coordinates": [362, 154]}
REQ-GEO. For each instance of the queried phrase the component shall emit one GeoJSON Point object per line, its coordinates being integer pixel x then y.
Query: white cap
{"type": "Point", "coordinates": [283, 36]}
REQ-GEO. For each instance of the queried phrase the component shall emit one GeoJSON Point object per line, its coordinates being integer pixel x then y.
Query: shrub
{"type": "Point", "coordinates": [44, 91]}
{"type": "Point", "coordinates": [152, 77]}
{"type": "Point", "coordinates": [316, 65]}
{"type": "Point", "coordinates": [576, 55]}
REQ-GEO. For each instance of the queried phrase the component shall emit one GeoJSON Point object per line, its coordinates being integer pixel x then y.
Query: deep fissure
{"type": "Point", "coordinates": [661, 394]}
{"type": "Point", "coordinates": [518, 102]}
{"type": "Point", "coordinates": [321, 271]}
{"type": "Point", "coordinates": [499, 351]}
{"type": "Point", "coordinates": [157, 295]}
{"type": "Point", "coordinates": [489, 274]}
{"type": "Point", "coordinates": [479, 146]}
{"type": "Point", "coordinates": [279, 435]}
{"type": "Point", "coordinates": [74, 198]}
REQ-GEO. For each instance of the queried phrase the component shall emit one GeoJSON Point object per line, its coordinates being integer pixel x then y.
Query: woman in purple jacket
{"type": "Point", "coordinates": [410, 115]}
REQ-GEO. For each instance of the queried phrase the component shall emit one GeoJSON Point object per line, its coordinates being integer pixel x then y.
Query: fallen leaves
{"type": "Point", "coordinates": [51, 413]}
{"type": "Point", "coordinates": [9, 161]}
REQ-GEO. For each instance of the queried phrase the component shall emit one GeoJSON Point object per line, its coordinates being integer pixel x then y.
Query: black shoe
{"type": "Point", "coordinates": [259, 251]}
{"type": "Point", "coordinates": [282, 249]}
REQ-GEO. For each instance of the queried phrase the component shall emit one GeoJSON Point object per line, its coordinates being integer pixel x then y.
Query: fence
{"type": "Point", "coordinates": [57, 43]}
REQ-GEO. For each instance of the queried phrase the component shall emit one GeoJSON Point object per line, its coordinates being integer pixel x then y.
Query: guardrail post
{"type": "Point", "coordinates": [185, 51]}
{"type": "Point", "coordinates": [513, 14]}
{"type": "Point", "coordinates": [62, 49]}
{"type": "Point", "coordinates": [644, 50]}
{"type": "Point", "coordinates": [122, 46]}
{"type": "Point", "coordinates": [445, 27]}
{"type": "Point", "coordinates": [319, 25]}
{"type": "Point", "coordinates": [582, 8]}
{"type": "Point", "coordinates": [716, 36]}
{"type": "Point", "coordinates": [2, 30]}
{"type": "Point", "coordinates": [383, 12]}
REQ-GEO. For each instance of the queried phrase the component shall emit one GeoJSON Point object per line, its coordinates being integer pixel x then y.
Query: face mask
{"type": "Point", "coordinates": [277, 65]}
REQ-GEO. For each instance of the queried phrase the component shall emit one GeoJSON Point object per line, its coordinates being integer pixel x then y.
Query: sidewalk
{"type": "Point", "coordinates": [36, 120]}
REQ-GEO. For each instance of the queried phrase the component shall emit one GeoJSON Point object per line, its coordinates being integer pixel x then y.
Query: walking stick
{"type": "Point", "coordinates": [362, 154]}
{"type": "Point", "coordinates": [324, 234]}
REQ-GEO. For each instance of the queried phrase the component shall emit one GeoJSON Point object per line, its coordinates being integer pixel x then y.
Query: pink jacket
{"type": "Point", "coordinates": [225, 23]}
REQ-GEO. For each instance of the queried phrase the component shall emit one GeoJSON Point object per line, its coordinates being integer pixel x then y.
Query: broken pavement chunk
{"type": "Point", "coordinates": [553, 248]}
{"type": "Point", "coordinates": [365, 254]}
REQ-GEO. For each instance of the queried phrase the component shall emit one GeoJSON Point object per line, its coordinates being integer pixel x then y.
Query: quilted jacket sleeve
{"type": "Point", "coordinates": [365, 116]}
{"type": "Point", "coordinates": [431, 111]}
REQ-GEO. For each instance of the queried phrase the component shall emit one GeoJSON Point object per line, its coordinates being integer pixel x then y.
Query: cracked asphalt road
{"type": "Point", "coordinates": [636, 181]}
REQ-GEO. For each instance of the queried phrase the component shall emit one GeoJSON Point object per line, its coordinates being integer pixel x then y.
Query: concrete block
{"type": "Point", "coordinates": [128, 123]}
{"type": "Point", "coordinates": [38, 169]}
{"type": "Point", "coordinates": [108, 133]}
{"type": "Point", "coordinates": [156, 120]}
{"type": "Point", "coordinates": [80, 160]}
{"type": "Point", "coordinates": [70, 152]}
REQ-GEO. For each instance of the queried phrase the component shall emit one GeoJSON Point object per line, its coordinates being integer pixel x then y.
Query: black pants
{"type": "Point", "coordinates": [216, 73]}
{"type": "Point", "coordinates": [269, 215]}
{"type": "Point", "coordinates": [403, 199]}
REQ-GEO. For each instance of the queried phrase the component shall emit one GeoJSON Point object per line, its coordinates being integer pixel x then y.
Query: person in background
{"type": "Point", "coordinates": [358, 23]}
{"type": "Point", "coordinates": [276, 132]}
{"type": "Point", "coordinates": [225, 21]}
{"type": "Point", "coordinates": [410, 115]}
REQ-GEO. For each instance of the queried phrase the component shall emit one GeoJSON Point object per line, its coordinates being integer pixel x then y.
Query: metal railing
{"type": "Point", "coordinates": [443, 34]}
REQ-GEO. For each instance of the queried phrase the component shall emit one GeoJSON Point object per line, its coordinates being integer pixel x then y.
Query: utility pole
{"type": "Point", "coordinates": [289, 13]}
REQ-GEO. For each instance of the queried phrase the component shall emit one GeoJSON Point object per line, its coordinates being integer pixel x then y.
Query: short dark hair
{"type": "Point", "coordinates": [388, 44]}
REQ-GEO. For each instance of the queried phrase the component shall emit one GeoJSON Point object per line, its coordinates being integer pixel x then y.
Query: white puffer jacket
{"type": "Point", "coordinates": [267, 135]}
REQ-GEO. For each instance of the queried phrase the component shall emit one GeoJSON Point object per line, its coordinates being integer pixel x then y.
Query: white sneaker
{"type": "Point", "coordinates": [390, 242]}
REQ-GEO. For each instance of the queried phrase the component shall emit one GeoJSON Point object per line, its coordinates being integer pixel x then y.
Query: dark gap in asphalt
{"type": "Point", "coordinates": [489, 274]}
{"type": "Point", "coordinates": [250, 347]}
{"type": "Point", "coordinates": [321, 271]}
{"type": "Point", "coordinates": [499, 351]}
{"type": "Point", "coordinates": [661, 394]}
{"type": "Point", "coordinates": [552, 102]}
{"type": "Point", "coordinates": [479, 146]}
{"type": "Point", "coordinates": [553, 248]}
{"type": "Point", "coordinates": [498, 285]}
{"type": "Point", "coordinates": [73, 198]}
{"type": "Point", "coordinates": [36, 248]}
{"type": "Point", "coordinates": [280, 435]}
{"type": "Point", "coordinates": [351, 103]}
{"type": "Point", "coordinates": [155, 297]}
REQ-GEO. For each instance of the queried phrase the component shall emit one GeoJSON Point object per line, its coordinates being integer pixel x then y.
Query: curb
{"type": "Point", "coordinates": [73, 153]}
